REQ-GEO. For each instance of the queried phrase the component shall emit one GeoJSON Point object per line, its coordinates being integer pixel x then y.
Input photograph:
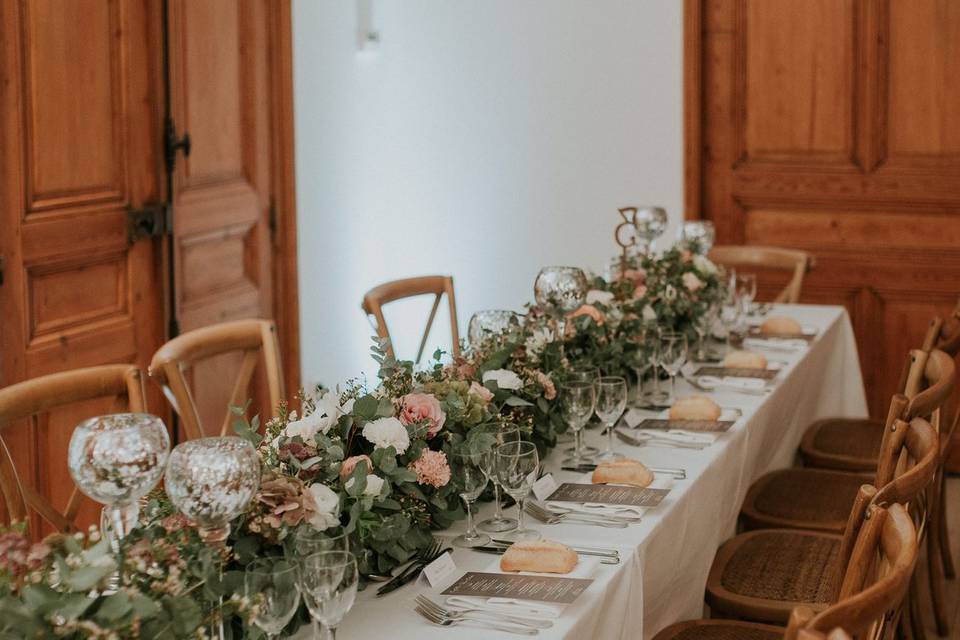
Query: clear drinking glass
{"type": "Point", "coordinates": [561, 290]}
{"type": "Point", "coordinates": [328, 581]}
{"type": "Point", "coordinates": [469, 477]}
{"type": "Point", "coordinates": [673, 355]}
{"type": "Point", "coordinates": [577, 402]}
{"type": "Point", "coordinates": [490, 324]}
{"type": "Point", "coordinates": [272, 584]}
{"type": "Point", "coordinates": [611, 402]}
{"type": "Point", "coordinates": [501, 433]}
{"type": "Point", "coordinates": [703, 325]}
{"type": "Point", "coordinates": [747, 290]}
{"type": "Point", "coordinates": [307, 540]}
{"type": "Point", "coordinates": [517, 465]}
{"type": "Point", "coordinates": [732, 315]}
{"type": "Point", "coordinates": [583, 374]}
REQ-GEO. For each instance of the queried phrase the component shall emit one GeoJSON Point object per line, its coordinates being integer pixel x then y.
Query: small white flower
{"type": "Point", "coordinates": [373, 488]}
{"type": "Point", "coordinates": [386, 432]}
{"type": "Point", "coordinates": [648, 313]}
{"type": "Point", "coordinates": [324, 417]}
{"type": "Point", "coordinates": [504, 378]}
{"type": "Point", "coordinates": [328, 507]}
{"type": "Point", "coordinates": [596, 296]}
{"type": "Point", "coordinates": [670, 293]}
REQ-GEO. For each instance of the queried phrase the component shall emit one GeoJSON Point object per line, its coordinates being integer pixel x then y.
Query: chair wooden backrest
{"type": "Point", "coordinates": [30, 398]}
{"type": "Point", "coordinates": [376, 298]}
{"type": "Point", "coordinates": [794, 261]}
{"type": "Point", "coordinates": [874, 584]}
{"type": "Point", "coordinates": [251, 337]}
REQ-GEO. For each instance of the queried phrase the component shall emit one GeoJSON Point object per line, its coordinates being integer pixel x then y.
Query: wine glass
{"type": "Point", "coordinates": [577, 402]}
{"type": "Point", "coordinates": [611, 402]}
{"type": "Point", "coordinates": [697, 236]}
{"type": "Point", "coordinates": [328, 581]}
{"type": "Point", "coordinates": [562, 290]}
{"type": "Point", "coordinates": [673, 355]}
{"type": "Point", "coordinates": [643, 359]}
{"type": "Point", "coordinates": [211, 481]}
{"type": "Point", "coordinates": [307, 540]}
{"type": "Point", "coordinates": [731, 314]}
{"type": "Point", "coordinates": [747, 290]}
{"type": "Point", "coordinates": [489, 324]}
{"type": "Point", "coordinates": [272, 584]}
{"type": "Point", "coordinates": [650, 223]}
{"type": "Point", "coordinates": [501, 433]}
{"type": "Point", "coordinates": [702, 325]}
{"type": "Point", "coordinates": [517, 465]}
{"type": "Point", "coordinates": [584, 374]}
{"type": "Point", "coordinates": [469, 477]}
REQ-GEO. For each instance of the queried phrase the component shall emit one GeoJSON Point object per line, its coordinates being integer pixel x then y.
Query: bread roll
{"type": "Point", "coordinates": [695, 408]}
{"type": "Point", "coordinates": [780, 326]}
{"type": "Point", "coordinates": [745, 360]}
{"type": "Point", "coordinates": [622, 471]}
{"type": "Point", "coordinates": [540, 556]}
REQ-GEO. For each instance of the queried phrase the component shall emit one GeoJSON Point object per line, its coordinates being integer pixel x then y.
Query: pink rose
{"type": "Point", "coordinates": [692, 282]}
{"type": "Point", "coordinates": [639, 279]}
{"type": "Point", "coordinates": [431, 468]}
{"type": "Point", "coordinates": [588, 310]}
{"type": "Point", "coordinates": [481, 391]}
{"type": "Point", "coordinates": [686, 256]}
{"type": "Point", "coordinates": [549, 389]}
{"type": "Point", "coordinates": [418, 408]}
{"type": "Point", "coordinates": [350, 464]}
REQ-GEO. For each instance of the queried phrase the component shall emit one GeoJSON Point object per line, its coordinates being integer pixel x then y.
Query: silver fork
{"type": "Point", "coordinates": [445, 621]}
{"type": "Point", "coordinates": [486, 614]}
{"type": "Point", "coordinates": [550, 517]}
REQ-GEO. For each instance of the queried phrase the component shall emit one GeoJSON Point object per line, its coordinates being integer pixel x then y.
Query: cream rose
{"type": "Point", "coordinates": [504, 378]}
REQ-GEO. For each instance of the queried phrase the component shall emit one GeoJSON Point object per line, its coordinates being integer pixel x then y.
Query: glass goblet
{"type": "Point", "coordinates": [577, 402]}
{"type": "Point", "coordinates": [328, 582]}
{"type": "Point", "coordinates": [491, 324]}
{"type": "Point", "coordinates": [673, 355]}
{"type": "Point", "coordinates": [116, 460]}
{"type": "Point", "coordinates": [272, 584]}
{"type": "Point", "coordinates": [583, 374]}
{"type": "Point", "coordinates": [698, 236]}
{"type": "Point", "coordinates": [307, 540]}
{"type": "Point", "coordinates": [747, 290]}
{"type": "Point", "coordinates": [517, 465]}
{"type": "Point", "coordinates": [470, 479]}
{"type": "Point", "coordinates": [611, 402]}
{"type": "Point", "coordinates": [211, 481]}
{"type": "Point", "coordinates": [501, 433]}
{"type": "Point", "coordinates": [562, 290]}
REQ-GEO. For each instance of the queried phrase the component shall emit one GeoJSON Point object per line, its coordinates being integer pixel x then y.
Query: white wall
{"type": "Point", "coordinates": [485, 138]}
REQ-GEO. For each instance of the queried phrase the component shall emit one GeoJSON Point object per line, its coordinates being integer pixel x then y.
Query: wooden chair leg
{"type": "Point", "coordinates": [905, 627]}
{"type": "Point", "coordinates": [948, 568]}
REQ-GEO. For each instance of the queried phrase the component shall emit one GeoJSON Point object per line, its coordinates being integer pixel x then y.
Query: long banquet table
{"type": "Point", "coordinates": [666, 556]}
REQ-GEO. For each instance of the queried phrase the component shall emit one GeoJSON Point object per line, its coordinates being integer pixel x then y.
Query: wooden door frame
{"type": "Point", "coordinates": [692, 109]}
{"type": "Point", "coordinates": [286, 302]}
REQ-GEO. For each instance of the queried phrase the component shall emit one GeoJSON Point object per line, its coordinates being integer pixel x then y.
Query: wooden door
{"type": "Point", "coordinates": [834, 126]}
{"type": "Point", "coordinates": [224, 67]}
{"type": "Point", "coordinates": [79, 146]}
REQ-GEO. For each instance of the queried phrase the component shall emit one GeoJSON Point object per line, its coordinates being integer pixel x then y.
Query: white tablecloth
{"type": "Point", "coordinates": [667, 555]}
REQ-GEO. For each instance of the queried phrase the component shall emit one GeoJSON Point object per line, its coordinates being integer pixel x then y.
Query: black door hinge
{"type": "Point", "coordinates": [172, 144]}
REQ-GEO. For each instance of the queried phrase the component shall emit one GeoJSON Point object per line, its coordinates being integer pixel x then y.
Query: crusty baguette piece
{"type": "Point", "coordinates": [622, 471]}
{"type": "Point", "coordinates": [695, 407]}
{"type": "Point", "coordinates": [540, 556]}
{"type": "Point", "coordinates": [780, 326]}
{"type": "Point", "coordinates": [741, 359]}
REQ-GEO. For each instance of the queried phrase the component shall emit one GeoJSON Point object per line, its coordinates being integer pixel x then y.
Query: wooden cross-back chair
{"type": "Point", "coordinates": [376, 298]}
{"type": "Point", "coordinates": [29, 399]}
{"type": "Point", "coordinates": [792, 261]}
{"type": "Point", "coordinates": [251, 337]}
{"type": "Point", "coordinates": [870, 593]}
{"type": "Point", "coordinates": [763, 574]}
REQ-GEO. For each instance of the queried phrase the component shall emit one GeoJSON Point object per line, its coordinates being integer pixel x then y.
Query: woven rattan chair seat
{"type": "Point", "coordinates": [720, 630]}
{"type": "Point", "coordinates": [813, 499]}
{"type": "Point", "coordinates": [842, 443]}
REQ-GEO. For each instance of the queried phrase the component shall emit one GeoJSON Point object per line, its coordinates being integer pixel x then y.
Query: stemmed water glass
{"type": "Point", "coordinates": [673, 355]}
{"type": "Point", "coordinates": [501, 433]}
{"type": "Point", "coordinates": [644, 359]}
{"type": "Point", "coordinates": [517, 465]}
{"type": "Point", "coordinates": [562, 290]}
{"type": "Point", "coordinates": [307, 540]}
{"type": "Point", "coordinates": [731, 314]}
{"type": "Point", "coordinates": [702, 326]}
{"type": "Point", "coordinates": [747, 290]}
{"type": "Point", "coordinates": [611, 402]}
{"type": "Point", "coordinates": [272, 584]}
{"type": "Point", "coordinates": [591, 375]}
{"type": "Point", "coordinates": [577, 401]}
{"type": "Point", "coordinates": [470, 479]}
{"type": "Point", "coordinates": [328, 581]}
{"type": "Point", "coordinates": [489, 324]}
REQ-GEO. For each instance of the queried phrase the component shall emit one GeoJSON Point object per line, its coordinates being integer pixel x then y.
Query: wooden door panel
{"type": "Point", "coordinates": [80, 121]}
{"type": "Point", "coordinates": [220, 54]}
{"type": "Point", "coordinates": [834, 126]}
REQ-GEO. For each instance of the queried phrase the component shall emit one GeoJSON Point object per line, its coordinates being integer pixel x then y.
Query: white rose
{"type": "Point", "coordinates": [596, 296]}
{"type": "Point", "coordinates": [704, 265]}
{"type": "Point", "coordinates": [328, 507]}
{"type": "Point", "coordinates": [504, 378]}
{"type": "Point", "coordinates": [325, 415]}
{"type": "Point", "coordinates": [648, 313]}
{"type": "Point", "coordinates": [373, 488]}
{"type": "Point", "coordinates": [386, 432]}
